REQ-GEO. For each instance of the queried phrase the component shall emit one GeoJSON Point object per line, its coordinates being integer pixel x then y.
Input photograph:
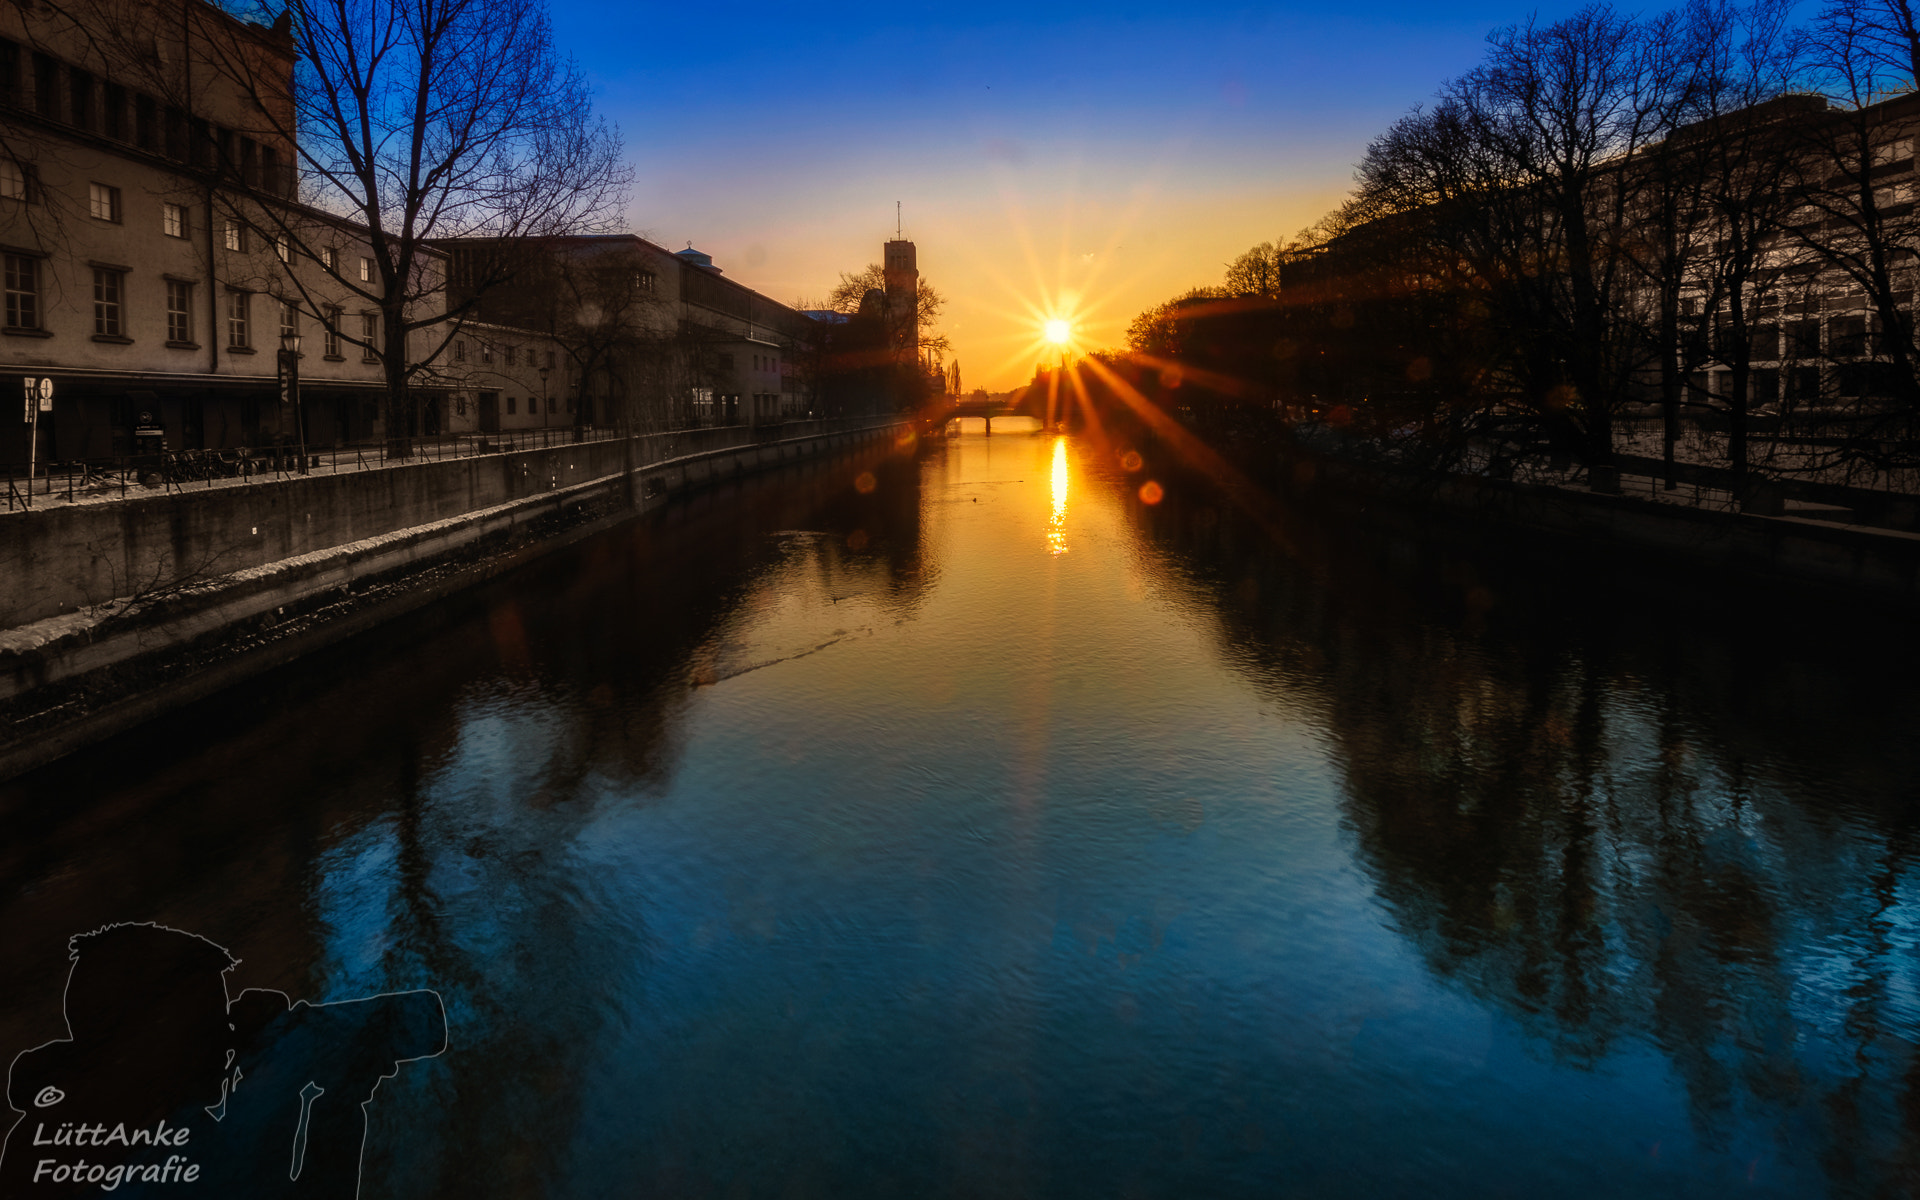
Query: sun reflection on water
{"type": "Point", "coordinates": [1057, 527]}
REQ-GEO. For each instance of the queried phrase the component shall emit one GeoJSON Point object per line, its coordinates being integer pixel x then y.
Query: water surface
{"type": "Point", "coordinates": [967, 826]}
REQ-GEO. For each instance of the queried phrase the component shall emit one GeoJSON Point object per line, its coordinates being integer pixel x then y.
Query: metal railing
{"type": "Point", "coordinates": [76, 481]}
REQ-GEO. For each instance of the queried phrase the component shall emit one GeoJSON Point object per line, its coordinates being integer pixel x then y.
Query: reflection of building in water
{"type": "Point", "coordinates": [1617, 840]}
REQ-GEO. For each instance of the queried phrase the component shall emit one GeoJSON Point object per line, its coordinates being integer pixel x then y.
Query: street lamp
{"type": "Point", "coordinates": [545, 405]}
{"type": "Point", "coordinates": [290, 390]}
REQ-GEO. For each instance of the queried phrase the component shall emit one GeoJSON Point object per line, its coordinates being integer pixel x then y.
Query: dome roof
{"type": "Point", "coordinates": [696, 257]}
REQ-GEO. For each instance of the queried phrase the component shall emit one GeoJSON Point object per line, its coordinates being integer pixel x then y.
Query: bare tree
{"type": "Point", "coordinates": [847, 294]}
{"type": "Point", "coordinates": [1738, 148]}
{"type": "Point", "coordinates": [1859, 219]}
{"type": "Point", "coordinates": [1562, 113]}
{"type": "Point", "coordinates": [422, 120]}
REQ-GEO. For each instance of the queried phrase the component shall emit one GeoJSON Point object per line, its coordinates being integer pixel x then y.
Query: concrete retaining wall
{"type": "Point", "coordinates": [172, 645]}
{"type": "Point", "coordinates": [63, 559]}
{"type": "Point", "coordinates": [1878, 565]}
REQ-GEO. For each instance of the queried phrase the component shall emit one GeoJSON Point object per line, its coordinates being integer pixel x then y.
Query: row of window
{"type": "Point", "coordinates": [761, 362]}
{"type": "Point", "coordinates": [513, 404]}
{"type": "Point", "coordinates": [103, 204]}
{"type": "Point", "coordinates": [1771, 385]}
{"type": "Point", "coordinates": [101, 106]}
{"type": "Point", "coordinates": [1852, 336]}
{"type": "Point", "coordinates": [487, 350]}
{"type": "Point", "coordinates": [25, 310]}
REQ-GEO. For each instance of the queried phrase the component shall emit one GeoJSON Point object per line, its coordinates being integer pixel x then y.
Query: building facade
{"type": "Point", "coordinates": [645, 337]}
{"type": "Point", "coordinates": [156, 256]}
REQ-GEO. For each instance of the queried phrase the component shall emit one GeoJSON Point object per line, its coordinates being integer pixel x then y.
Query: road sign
{"type": "Point", "coordinates": [46, 395]}
{"type": "Point", "coordinates": [33, 397]}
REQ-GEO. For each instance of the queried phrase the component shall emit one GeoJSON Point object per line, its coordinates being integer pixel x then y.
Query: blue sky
{"type": "Point", "coordinates": [1077, 160]}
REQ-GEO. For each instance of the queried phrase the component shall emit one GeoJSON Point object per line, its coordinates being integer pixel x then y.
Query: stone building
{"type": "Point", "coordinates": [644, 335]}
{"type": "Point", "coordinates": [149, 224]}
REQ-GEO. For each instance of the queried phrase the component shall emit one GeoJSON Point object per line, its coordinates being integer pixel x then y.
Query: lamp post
{"type": "Point", "coordinates": [290, 390]}
{"type": "Point", "coordinates": [545, 407]}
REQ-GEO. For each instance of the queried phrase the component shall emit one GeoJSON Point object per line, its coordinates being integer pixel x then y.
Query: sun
{"type": "Point", "coordinates": [1059, 332]}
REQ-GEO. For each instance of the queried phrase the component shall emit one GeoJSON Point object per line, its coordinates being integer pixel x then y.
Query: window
{"type": "Point", "coordinates": [332, 318]}
{"type": "Point", "coordinates": [511, 405]}
{"type": "Point", "coordinates": [23, 291]}
{"type": "Point", "coordinates": [238, 336]}
{"type": "Point", "coordinates": [1893, 151]}
{"type": "Point", "coordinates": [174, 129]}
{"type": "Point", "coordinates": [1803, 383]}
{"type": "Point", "coordinates": [179, 312]}
{"type": "Point", "coordinates": [103, 202]}
{"type": "Point", "coordinates": [644, 281]}
{"type": "Point", "coordinates": [553, 404]}
{"type": "Point", "coordinates": [146, 123]}
{"type": "Point", "coordinates": [369, 336]}
{"type": "Point", "coordinates": [486, 352]}
{"type": "Point", "coordinates": [330, 258]}
{"type": "Point", "coordinates": [13, 180]}
{"type": "Point", "coordinates": [513, 355]}
{"type": "Point", "coordinates": [366, 270]}
{"type": "Point", "coordinates": [173, 220]}
{"type": "Point", "coordinates": [108, 286]}
{"type": "Point", "coordinates": [46, 87]}
{"type": "Point", "coordinates": [113, 111]}
{"type": "Point", "coordinates": [459, 350]}
{"type": "Point", "coordinates": [236, 235]}
{"type": "Point", "coordinates": [199, 141]}
{"type": "Point", "coordinates": [549, 360]}
{"type": "Point", "coordinates": [80, 86]}
{"type": "Point", "coordinates": [1847, 337]}
{"type": "Point", "coordinates": [9, 71]}
{"type": "Point", "coordinates": [282, 250]}
{"type": "Point", "coordinates": [289, 319]}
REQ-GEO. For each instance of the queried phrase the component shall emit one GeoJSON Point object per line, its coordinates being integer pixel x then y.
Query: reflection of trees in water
{"type": "Point", "coordinates": [580, 713]}
{"type": "Point", "coordinates": [1616, 827]}
{"type": "Point", "coordinates": [406, 811]}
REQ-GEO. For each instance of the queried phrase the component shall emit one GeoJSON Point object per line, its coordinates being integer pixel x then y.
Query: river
{"type": "Point", "coordinates": [969, 825]}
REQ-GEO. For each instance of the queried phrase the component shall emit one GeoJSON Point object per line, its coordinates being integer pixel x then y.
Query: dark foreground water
{"type": "Point", "coordinates": [974, 828]}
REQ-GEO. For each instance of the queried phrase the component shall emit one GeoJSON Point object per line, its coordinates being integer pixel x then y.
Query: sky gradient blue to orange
{"type": "Point", "coordinates": [1052, 160]}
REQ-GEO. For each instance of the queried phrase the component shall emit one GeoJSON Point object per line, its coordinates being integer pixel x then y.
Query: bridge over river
{"type": "Point", "coordinates": [947, 409]}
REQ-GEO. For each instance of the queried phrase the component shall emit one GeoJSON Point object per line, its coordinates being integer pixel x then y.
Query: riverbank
{"type": "Point", "coordinates": [1876, 565]}
{"type": "Point", "coordinates": [210, 588]}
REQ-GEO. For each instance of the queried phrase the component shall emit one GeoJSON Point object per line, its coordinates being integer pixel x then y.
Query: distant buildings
{"type": "Point", "coordinates": [663, 337]}
{"type": "Point", "coordinates": [157, 260]}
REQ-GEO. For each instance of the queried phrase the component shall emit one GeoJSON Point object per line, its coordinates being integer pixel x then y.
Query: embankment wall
{"type": "Point", "coordinates": [62, 559]}
{"type": "Point", "coordinates": [1876, 565]}
{"type": "Point", "coordinates": [293, 585]}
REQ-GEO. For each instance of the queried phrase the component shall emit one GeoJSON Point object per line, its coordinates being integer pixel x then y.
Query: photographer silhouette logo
{"type": "Point", "coordinates": [166, 1087]}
